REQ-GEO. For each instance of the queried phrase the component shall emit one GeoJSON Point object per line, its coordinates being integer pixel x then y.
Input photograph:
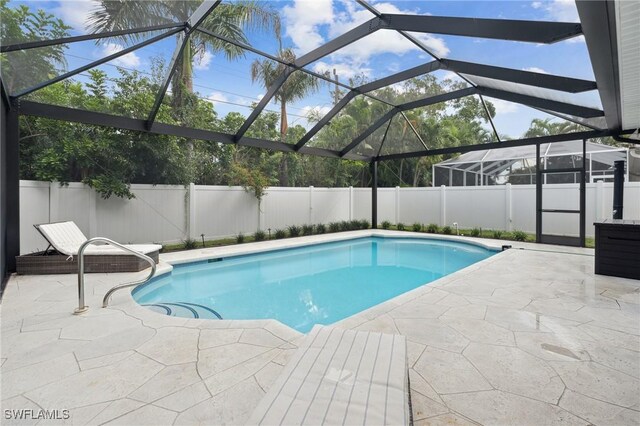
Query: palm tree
{"type": "Point", "coordinates": [228, 19]}
{"type": "Point", "coordinates": [545, 127]}
{"type": "Point", "coordinates": [539, 127]}
{"type": "Point", "coordinates": [297, 86]}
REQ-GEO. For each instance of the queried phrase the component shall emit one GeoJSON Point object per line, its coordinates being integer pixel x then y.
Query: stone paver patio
{"type": "Point", "coordinates": [526, 337]}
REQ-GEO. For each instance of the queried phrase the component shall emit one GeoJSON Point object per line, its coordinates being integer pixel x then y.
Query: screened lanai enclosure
{"type": "Point", "coordinates": [352, 110]}
{"type": "Point", "coordinates": [518, 165]}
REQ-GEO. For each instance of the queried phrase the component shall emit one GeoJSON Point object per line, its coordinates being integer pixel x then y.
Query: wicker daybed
{"type": "Point", "coordinates": [65, 239]}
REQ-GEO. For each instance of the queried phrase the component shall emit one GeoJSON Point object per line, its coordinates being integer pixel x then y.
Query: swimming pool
{"type": "Point", "coordinates": [314, 284]}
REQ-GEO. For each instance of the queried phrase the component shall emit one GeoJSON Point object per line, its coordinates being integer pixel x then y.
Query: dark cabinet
{"type": "Point", "coordinates": [618, 248]}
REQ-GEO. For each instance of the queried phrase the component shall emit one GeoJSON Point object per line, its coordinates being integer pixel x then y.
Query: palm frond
{"type": "Point", "coordinates": [231, 20]}
{"type": "Point", "coordinates": [266, 71]}
{"type": "Point", "coordinates": [113, 15]}
{"type": "Point", "coordinates": [253, 15]}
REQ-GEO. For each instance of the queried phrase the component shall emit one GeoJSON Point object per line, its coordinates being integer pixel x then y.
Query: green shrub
{"type": "Point", "coordinates": [307, 229]}
{"type": "Point", "coordinates": [189, 244]}
{"type": "Point", "coordinates": [345, 226]}
{"type": "Point", "coordinates": [240, 238]}
{"type": "Point", "coordinates": [355, 224]}
{"type": "Point", "coordinates": [294, 230]}
{"type": "Point", "coordinates": [386, 224]}
{"type": "Point", "coordinates": [475, 232]}
{"type": "Point", "coordinates": [416, 227]}
{"type": "Point", "coordinates": [280, 234]}
{"type": "Point", "coordinates": [400, 227]}
{"type": "Point", "coordinates": [519, 235]}
{"type": "Point", "coordinates": [259, 236]}
{"type": "Point", "coordinates": [432, 228]}
{"type": "Point", "coordinates": [364, 224]}
{"type": "Point", "coordinates": [334, 227]}
{"type": "Point", "coordinates": [446, 230]}
{"type": "Point", "coordinates": [321, 228]}
{"type": "Point", "coordinates": [496, 234]}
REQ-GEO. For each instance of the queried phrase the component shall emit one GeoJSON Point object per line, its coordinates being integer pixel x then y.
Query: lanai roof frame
{"type": "Point", "coordinates": [532, 31]}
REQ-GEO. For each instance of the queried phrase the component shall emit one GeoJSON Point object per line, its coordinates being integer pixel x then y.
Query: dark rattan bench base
{"type": "Point", "coordinates": [53, 263]}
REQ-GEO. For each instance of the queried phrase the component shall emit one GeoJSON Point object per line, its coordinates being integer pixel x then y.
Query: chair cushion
{"type": "Point", "coordinates": [112, 250]}
{"type": "Point", "coordinates": [65, 237]}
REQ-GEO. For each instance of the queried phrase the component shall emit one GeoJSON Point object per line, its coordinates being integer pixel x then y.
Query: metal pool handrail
{"type": "Point", "coordinates": [105, 301]}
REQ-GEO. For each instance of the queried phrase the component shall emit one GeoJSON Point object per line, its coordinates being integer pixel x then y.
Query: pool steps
{"type": "Point", "coordinates": [183, 310]}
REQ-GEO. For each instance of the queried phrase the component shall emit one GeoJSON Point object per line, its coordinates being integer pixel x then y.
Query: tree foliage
{"type": "Point", "coordinates": [110, 160]}
{"type": "Point", "coordinates": [229, 20]}
{"type": "Point", "coordinates": [21, 69]}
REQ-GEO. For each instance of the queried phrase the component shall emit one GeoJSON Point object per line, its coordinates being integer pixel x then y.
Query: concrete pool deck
{"type": "Point", "coordinates": [525, 337]}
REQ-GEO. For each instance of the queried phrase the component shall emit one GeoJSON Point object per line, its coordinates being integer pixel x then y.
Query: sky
{"type": "Point", "coordinates": [308, 24]}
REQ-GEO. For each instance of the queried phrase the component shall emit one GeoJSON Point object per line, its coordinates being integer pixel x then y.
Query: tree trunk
{"type": "Point", "coordinates": [182, 83]}
{"type": "Point", "coordinates": [181, 88]}
{"type": "Point", "coordinates": [284, 126]}
{"type": "Point", "coordinates": [284, 169]}
{"type": "Point", "coordinates": [187, 67]}
{"type": "Point", "coordinates": [284, 123]}
{"type": "Point", "coordinates": [416, 175]}
{"type": "Point", "coordinates": [177, 93]}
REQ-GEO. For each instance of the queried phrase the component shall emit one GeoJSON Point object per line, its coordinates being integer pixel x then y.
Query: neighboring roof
{"type": "Point", "coordinates": [547, 150]}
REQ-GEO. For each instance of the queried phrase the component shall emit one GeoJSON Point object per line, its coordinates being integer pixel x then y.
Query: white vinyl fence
{"type": "Point", "coordinates": [166, 214]}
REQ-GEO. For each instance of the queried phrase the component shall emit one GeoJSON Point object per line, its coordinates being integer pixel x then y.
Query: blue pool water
{"type": "Point", "coordinates": [316, 284]}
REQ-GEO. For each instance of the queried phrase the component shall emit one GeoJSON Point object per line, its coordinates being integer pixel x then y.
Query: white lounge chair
{"type": "Point", "coordinates": [66, 238]}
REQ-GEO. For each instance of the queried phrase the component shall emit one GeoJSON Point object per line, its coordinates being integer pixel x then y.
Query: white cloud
{"type": "Point", "coordinates": [579, 39]}
{"type": "Point", "coordinates": [216, 97]}
{"type": "Point", "coordinates": [307, 20]}
{"type": "Point", "coordinates": [450, 75]}
{"type": "Point", "coordinates": [399, 87]}
{"type": "Point", "coordinates": [384, 41]}
{"type": "Point", "coordinates": [303, 19]}
{"type": "Point", "coordinates": [311, 115]}
{"type": "Point", "coordinates": [535, 69]}
{"type": "Point", "coordinates": [503, 107]}
{"type": "Point", "coordinates": [203, 60]}
{"type": "Point", "coordinates": [130, 60]}
{"type": "Point", "coordinates": [318, 110]}
{"type": "Point", "coordinates": [344, 70]}
{"type": "Point", "coordinates": [558, 10]}
{"type": "Point", "coordinates": [393, 67]}
{"type": "Point", "coordinates": [75, 12]}
{"type": "Point", "coordinates": [562, 11]}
